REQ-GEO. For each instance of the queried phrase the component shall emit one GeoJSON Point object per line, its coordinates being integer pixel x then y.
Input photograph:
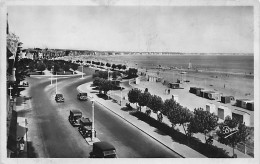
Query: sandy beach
{"type": "Point", "coordinates": [239, 85]}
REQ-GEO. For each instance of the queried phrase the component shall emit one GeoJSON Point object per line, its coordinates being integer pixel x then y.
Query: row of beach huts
{"type": "Point", "coordinates": [212, 95]}
{"type": "Point", "coordinates": [222, 111]}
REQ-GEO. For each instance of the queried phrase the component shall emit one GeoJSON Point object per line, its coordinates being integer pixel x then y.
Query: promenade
{"type": "Point", "coordinates": [114, 106]}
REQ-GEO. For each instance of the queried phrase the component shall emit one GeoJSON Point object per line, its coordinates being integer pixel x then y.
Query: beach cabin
{"type": "Point", "coordinates": [151, 78]}
{"type": "Point", "coordinates": [176, 98]}
{"type": "Point", "coordinates": [213, 95]}
{"type": "Point", "coordinates": [244, 103]}
{"type": "Point", "coordinates": [242, 117]}
{"type": "Point", "coordinates": [203, 93]}
{"type": "Point", "coordinates": [174, 85]}
{"type": "Point", "coordinates": [198, 91]}
{"type": "Point", "coordinates": [208, 94]}
{"type": "Point", "coordinates": [225, 99]}
{"type": "Point", "coordinates": [211, 108]}
{"type": "Point", "coordinates": [223, 112]}
{"type": "Point", "coordinates": [192, 90]}
{"type": "Point", "coordinates": [250, 106]}
{"type": "Point", "coordinates": [241, 103]}
{"type": "Point", "coordinates": [159, 79]}
{"type": "Point", "coordinates": [137, 80]}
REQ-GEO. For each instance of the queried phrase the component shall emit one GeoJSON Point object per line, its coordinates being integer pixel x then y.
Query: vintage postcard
{"type": "Point", "coordinates": [149, 81]}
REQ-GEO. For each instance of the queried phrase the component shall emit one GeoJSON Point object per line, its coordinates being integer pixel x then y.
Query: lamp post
{"type": "Point", "coordinates": [107, 73]}
{"type": "Point", "coordinates": [10, 88]}
{"type": "Point", "coordinates": [93, 125]}
{"type": "Point", "coordinates": [82, 71]}
{"type": "Point", "coordinates": [108, 80]}
{"type": "Point", "coordinates": [56, 83]}
{"type": "Point", "coordinates": [121, 96]}
{"type": "Point", "coordinates": [52, 70]}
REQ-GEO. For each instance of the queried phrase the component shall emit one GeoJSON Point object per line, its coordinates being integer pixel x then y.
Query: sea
{"type": "Point", "coordinates": [242, 64]}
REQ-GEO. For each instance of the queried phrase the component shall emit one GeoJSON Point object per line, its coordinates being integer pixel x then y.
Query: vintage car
{"type": "Point", "coordinates": [74, 117]}
{"type": "Point", "coordinates": [103, 150]}
{"type": "Point", "coordinates": [85, 127]}
{"type": "Point", "coordinates": [23, 84]}
{"type": "Point", "coordinates": [59, 98]}
{"type": "Point", "coordinates": [82, 96]}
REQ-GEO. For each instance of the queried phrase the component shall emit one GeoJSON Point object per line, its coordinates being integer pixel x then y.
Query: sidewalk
{"type": "Point", "coordinates": [22, 125]}
{"type": "Point", "coordinates": [166, 140]}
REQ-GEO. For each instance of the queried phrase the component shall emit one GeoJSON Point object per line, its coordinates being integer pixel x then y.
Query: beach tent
{"type": "Point", "coordinates": [223, 112]}
{"type": "Point", "coordinates": [211, 108]}
{"type": "Point", "coordinates": [241, 116]}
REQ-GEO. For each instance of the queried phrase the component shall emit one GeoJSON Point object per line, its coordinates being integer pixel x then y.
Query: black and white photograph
{"type": "Point", "coordinates": [139, 79]}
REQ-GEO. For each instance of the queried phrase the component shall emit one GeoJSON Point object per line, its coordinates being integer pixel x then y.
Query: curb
{"type": "Point", "coordinates": [137, 127]}
{"type": "Point", "coordinates": [55, 75]}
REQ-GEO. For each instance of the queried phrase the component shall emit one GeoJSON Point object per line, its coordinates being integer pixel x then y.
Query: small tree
{"type": "Point", "coordinates": [113, 66]}
{"type": "Point", "coordinates": [119, 66]}
{"type": "Point", "coordinates": [169, 105]}
{"type": "Point", "coordinates": [56, 67]}
{"type": "Point", "coordinates": [143, 99]}
{"type": "Point", "coordinates": [108, 65]}
{"type": "Point", "coordinates": [41, 66]}
{"type": "Point", "coordinates": [66, 67]}
{"type": "Point", "coordinates": [155, 103]}
{"type": "Point", "coordinates": [231, 132]}
{"type": "Point", "coordinates": [124, 67]}
{"type": "Point", "coordinates": [132, 72]}
{"type": "Point", "coordinates": [133, 95]}
{"type": "Point", "coordinates": [106, 85]}
{"type": "Point", "coordinates": [31, 65]}
{"type": "Point", "coordinates": [203, 122]}
{"type": "Point", "coordinates": [74, 66]}
{"type": "Point", "coordinates": [96, 81]}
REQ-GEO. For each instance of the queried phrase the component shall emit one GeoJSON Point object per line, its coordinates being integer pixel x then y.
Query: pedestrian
{"type": "Point", "coordinates": [169, 91]}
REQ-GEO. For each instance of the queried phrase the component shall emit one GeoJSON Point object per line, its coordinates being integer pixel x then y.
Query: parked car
{"type": "Point", "coordinates": [23, 84]}
{"type": "Point", "coordinates": [103, 150]}
{"type": "Point", "coordinates": [59, 98]}
{"type": "Point", "coordinates": [85, 127]}
{"type": "Point", "coordinates": [82, 96]}
{"type": "Point", "coordinates": [74, 117]}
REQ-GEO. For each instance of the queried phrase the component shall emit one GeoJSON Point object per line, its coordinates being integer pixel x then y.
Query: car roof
{"type": "Point", "coordinates": [83, 93]}
{"type": "Point", "coordinates": [85, 121]}
{"type": "Point", "coordinates": [76, 111]}
{"type": "Point", "coordinates": [59, 94]}
{"type": "Point", "coordinates": [103, 145]}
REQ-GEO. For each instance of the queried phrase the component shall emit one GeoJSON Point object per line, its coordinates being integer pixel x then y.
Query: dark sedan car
{"type": "Point", "coordinates": [82, 96]}
{"type": "Point", "coordinates": [59, 98]}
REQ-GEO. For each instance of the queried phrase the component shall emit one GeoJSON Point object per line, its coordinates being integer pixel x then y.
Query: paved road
{"type": "Point", "coordinates": [57, 138]}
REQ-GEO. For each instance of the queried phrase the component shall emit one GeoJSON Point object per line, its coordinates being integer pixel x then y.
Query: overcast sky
{"type": "Point", "coordinates": [133, 28]}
